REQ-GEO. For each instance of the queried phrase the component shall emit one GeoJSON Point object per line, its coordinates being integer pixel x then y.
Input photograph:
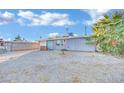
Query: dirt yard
{"type": "Point", "coordinates": [53, 66]}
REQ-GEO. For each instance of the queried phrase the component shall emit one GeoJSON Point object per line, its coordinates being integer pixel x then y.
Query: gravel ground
{"type": "Point", "coordinates": [53, 66]}
{"type": "Point", "coordinates": [12, 55]}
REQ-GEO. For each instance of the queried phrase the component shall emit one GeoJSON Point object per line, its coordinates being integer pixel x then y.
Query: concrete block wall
{"type": "Point", "coordinates": [21, 46]}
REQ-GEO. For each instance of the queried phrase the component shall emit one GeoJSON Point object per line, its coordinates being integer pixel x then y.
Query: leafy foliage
{"type": "Point", "coordinates": [18, 37]}
{"type": "Point", "coordinates": [89, 40]}
{"type": "Point", "coordinates": [109, 33]}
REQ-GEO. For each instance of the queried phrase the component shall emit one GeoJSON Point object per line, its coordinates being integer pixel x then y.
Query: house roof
{"type": "Point", "coordinates": [63, 38]}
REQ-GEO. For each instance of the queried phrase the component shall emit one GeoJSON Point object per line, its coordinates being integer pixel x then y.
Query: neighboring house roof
{"type": "Point", "coordinates": [19, 42]}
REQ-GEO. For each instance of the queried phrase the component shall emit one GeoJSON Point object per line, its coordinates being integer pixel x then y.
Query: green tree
{"type": "Point", "coordinates": [109, 33]}
{"type": "Point", "coordinates": [18, 37]}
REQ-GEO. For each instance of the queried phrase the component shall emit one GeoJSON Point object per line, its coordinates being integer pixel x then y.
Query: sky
{"type": "Point", "coordinates": [33, 24]}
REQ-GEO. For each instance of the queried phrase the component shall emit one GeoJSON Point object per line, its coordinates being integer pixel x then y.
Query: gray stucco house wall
{"type": "Point", "coordinates": [75, 44]}
{"type": "Point", "coordinates": [79, 44]}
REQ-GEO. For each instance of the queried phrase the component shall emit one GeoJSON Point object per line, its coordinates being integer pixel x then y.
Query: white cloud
{"type": "Point", "coordinates": [21, 21]}
{"type": "Point", "coordinates": [26, 14]}
{"type": "Point", "coordinates": [52, 35]}
{"type": "Point", "coordinates": [95, 14]}
{"type": "Point", "coordinates": [45, 18]}
{"type": "Point", "coordinates": [75, 35]}
{"type": "Point", "coordinates": [6, 17]}
{"type": "Point", "coordinates": [7, 39]}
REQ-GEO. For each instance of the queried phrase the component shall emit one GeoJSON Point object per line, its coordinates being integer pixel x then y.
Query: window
{"type": "Point", "coordinates": [60, 42]}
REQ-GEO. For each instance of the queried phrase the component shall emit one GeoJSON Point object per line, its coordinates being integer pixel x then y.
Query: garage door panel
{"type": "Point", "coordinates": [79, 44]}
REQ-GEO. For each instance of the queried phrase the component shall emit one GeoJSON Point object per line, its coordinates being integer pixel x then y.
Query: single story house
{"type": "Point", "coordinates": [68, 43]}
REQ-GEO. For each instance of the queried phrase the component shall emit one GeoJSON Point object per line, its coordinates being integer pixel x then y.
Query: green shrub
{"type": "Point", "coordinates": [111, 42]}
{"type": "Point", "coordinates": [109, 33]}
